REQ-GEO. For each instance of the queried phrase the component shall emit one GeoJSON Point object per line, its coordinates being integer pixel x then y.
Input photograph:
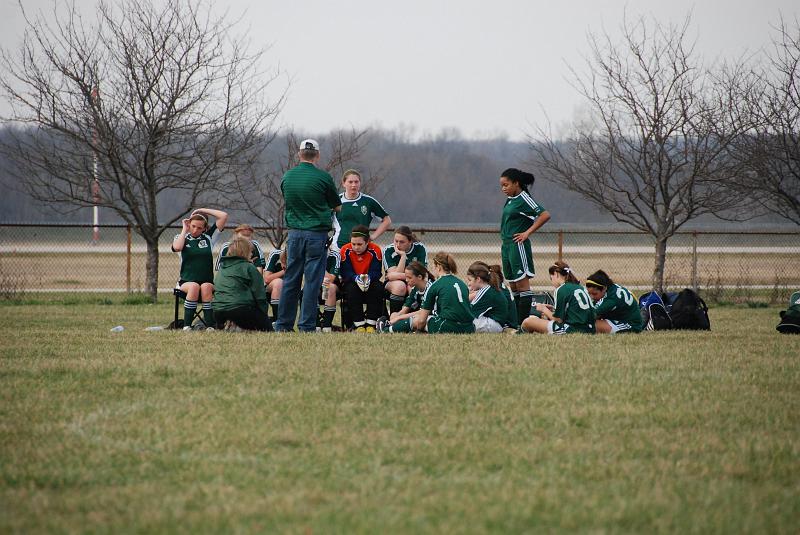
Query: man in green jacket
{"type": "Point", "coordinates": [239, 294]}
{"type": "Point", "coordinates": [310, 198]}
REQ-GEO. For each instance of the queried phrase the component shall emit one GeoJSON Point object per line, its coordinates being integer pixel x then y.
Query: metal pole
{"type": "Point", "coordinates": [560, 245]}
{"type": "Point", "coordinates": [694, 261]}
{"type": "Point", "coordinates": [128, 269]}
{"type": "Point", "coordinates": [95, 183]}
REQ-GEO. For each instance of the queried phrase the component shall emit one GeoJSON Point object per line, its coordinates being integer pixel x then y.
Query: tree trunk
{"type": "Point", "coordinates": [151, 274]}
{"type": "Point", "coordinates": [658, 271]}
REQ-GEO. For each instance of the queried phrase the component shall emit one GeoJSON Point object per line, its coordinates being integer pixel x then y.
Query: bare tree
{"type": "Point", "coordinates": [653, 150]}
{"type": "Point", "coordinates": [767, 95]}
{"type": "Point", "coordinates": [259, 194]}
{"type": "Point", "coordinates": [157, 98]}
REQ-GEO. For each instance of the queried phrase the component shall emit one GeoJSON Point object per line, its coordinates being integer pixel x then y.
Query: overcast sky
{"type": "Point", "coordinates": [485, 68]}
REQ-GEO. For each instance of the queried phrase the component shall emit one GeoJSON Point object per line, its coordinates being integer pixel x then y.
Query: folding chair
{"type": "Point", "coordinates": [177, 322]}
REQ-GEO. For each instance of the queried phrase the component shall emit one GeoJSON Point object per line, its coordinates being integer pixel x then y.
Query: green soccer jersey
{"type": "Point", "coordinates": [274, 261]}
{"type": "Point", "coordinates": [256, 256]}
{"type": "Point", "coordinates": [448, 298]}
{"type": "Point", "coordinates": [197, 260]}
{"type": "Point", "coordinates": [491, 303]}
{"type": "Point", "coordinates": [574, 307]}
{"type": "Point", "coordinates": [333, 263]}
{"type": "Point", "coordinates": [309, 196]}
{"type": "Point", "coordinates": [415, 297]}
{"type": "Point", "coordinates": [619, 305]}
{"type": "Point", "coordinates": [391, 259]}
{"type": "Point", "coordinates": [358, 211]}
{"type": "Point", "coordinates": [518, 215]}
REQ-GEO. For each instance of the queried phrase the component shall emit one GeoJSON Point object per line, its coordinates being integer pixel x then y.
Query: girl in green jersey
{"type": "Point", "coordinates": [405, 249]}
{"type": "Point", "coordinates": [573, 312]}
{"type": "Point", "coordinates": [197, 262]}
{"type": "Point", "coordinates": [445, 308]}
{"type": "Point", "coordinates": [616, 308]}
{"type": "Point", "coordinates": [522, 216]}
{"type": "Point", "coordinates": [418, 280]}
{"type": "Point", "coordinates": [489, 306]}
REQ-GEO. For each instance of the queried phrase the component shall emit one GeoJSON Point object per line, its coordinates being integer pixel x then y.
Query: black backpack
{"type": "Point", "coordinates": [689, 311]}
{"type": "Point", "coordinates": [790, 318]}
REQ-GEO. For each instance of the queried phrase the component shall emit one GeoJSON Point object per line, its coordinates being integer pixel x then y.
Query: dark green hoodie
{"type": "Point", "coordinates": [238, 283]}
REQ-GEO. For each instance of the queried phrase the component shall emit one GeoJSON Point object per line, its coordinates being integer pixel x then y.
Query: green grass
{"type": "Point", "coordinates": [221, 432]}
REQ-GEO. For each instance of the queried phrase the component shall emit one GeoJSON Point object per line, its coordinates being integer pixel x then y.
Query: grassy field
{"type": "Point", "coordinates": [227, 432]}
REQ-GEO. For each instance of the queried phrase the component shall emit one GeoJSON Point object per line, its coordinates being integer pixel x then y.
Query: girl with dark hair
{"type": "Point", "coordinates": [445, 307]}
{"type": "Point", "coordinates": [418, 279]}
{"type": "Point", "coordinates": [197, 262]}
{"type": "Point", "coordinates": [488, 304]}
{"type": "Point", "coordinates": [405, 249]}
{"type": "Point", "coordinates": [522, 216]}
{"type": "Point", "coordinates": [361, 279]}
{"type": "Point", "coordinates": [573, 312]}
{"type": "Point", "coordinates": [615, 307]}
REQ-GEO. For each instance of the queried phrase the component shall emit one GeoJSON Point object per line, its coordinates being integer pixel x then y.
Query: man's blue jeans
{"type": "Point", "coordinates": [305, 256]}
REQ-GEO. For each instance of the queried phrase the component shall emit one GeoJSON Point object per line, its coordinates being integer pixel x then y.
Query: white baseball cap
{"type": "Point", "coordinates": [309, 144]}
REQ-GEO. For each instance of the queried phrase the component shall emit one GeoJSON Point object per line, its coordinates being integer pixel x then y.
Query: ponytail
{"type": "Point", "coordinates": [562, 268]}
{"type": "Point", "coordinates": [480, 270]}
{"type": "Point", "coordinates": [522, 178]}
{"type": "Point", "coordinates": [446, 261]}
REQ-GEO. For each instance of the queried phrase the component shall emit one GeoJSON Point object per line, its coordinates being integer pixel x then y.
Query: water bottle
{"type": "Point", "coordinates": [117, 329]}
{"type": "Point", "coordinates": [154, 328]}
{"type": "Point", "coordinates": [325, 288]}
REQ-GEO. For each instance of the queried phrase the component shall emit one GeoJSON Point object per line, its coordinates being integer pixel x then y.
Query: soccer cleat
{"type": "Point", "coordinates": [369, 329]}
{"type": "Point", "coordinates": [187, 328]}
{"type": "Point", "coordinates": [210, 329]}
{"type": "Point", "coordinates": [361, 329]}
{"type": "Point", "coordinates": [327, 330]}
{"type": "Point", "coordinates": [382, 325]}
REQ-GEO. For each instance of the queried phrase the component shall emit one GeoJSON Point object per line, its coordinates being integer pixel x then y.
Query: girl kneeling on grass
{"type": "Point", "coordinates": [362, 257]}
{"type": "Point", "coordinates": [489, 306]}
{"type": "Point", "coordinates": [573, 312]}
{"type": "Point", "coordinates": [418, 279]}
{"type": "Point", "coordinates": [445, 308]}
{"type": "Point", "coordinates": [240, 296]}
{"type": "Point", "coordinates": [616, 308]}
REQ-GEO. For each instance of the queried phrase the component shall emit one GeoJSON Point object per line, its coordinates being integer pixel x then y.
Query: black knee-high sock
{"type": "Point", "coordinates": [524, 305]}
{"type": "Point", "coordinates": [327, 316]}
{"type": "Point", "coordinates": [208, 314]}
{"type": "Point", "coordinates": [188, 312]}
{"type": "Point", "coordinates": [396, 303]}
{"type": "Point", "coordinates": [274, 305]}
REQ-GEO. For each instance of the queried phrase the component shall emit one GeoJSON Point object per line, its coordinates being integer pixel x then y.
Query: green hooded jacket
{"type": "Point", "coordinates": [238, 283]}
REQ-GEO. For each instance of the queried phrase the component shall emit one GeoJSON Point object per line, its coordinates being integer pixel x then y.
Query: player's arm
{"type": "Point", "coordinates": [385, 223]}
{"type": "Point", "coordinates": [180, 240]}
{"type": "Point", "coordinates": [220, 216]}
{"type": "Point", "coordinates": [421, 319]}
{"type": "Point", "coordinates": [540, 220]}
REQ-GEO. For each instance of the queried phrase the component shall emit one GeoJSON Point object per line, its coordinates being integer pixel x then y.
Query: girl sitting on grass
{"type": "Point", "coordinates": [489, 306]}
{"type": "Point", "coordinates": [445, 307]}
{"type": "Point", "coordinates": [573, 312]}
{"type": "Point", "coordinates": [616, 309]}
{"type": "Point", "coordinates": [418, 279]}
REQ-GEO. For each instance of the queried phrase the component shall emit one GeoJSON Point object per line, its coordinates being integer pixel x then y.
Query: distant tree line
{"type": "Point", "coordinates": [153, 110]}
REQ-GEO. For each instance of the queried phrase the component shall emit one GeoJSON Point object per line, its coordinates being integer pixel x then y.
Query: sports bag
{"type": "Point", "coordinates": [689, 311]}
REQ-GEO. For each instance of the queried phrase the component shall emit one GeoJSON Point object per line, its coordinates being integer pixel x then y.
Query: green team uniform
{"type": "Point", "coordinates": [274, 261]}
{"type": "Point", "coordinates": [519, 213]}
{"type": "Point", "coordinates": [574, 308]}
{"type": "Point", "coordinates": [391, 259]}
{"type": "Point", "coordinates": [358, 211]}
{"type": "Point", "coordinates": [448, 301]}
{"type": "Point", "coordinates": [309, 196]}
{"type": "Point", "coordinates": [256, 257]}
{"type": "Point", "coordinates": [491, 303]}
{"type": "Point", "coordinates": [413, 302]}
{"type": "Point", "coordinates": [620, 309]}
{"type": "Point", "coordinates": [197, 260]}
{"type": "Point", "coordinates": [333, 263]}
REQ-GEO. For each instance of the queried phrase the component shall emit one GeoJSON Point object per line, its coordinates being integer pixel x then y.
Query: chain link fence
{"type": "Point", "coordinates": [738, 266]}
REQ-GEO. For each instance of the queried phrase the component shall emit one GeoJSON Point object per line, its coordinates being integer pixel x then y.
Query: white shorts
{"type": "Point", "coordinates": [486, 325]}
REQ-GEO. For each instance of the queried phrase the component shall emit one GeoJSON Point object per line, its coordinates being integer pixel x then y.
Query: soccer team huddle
{"type": "Point", "coordinates": [397, 289]}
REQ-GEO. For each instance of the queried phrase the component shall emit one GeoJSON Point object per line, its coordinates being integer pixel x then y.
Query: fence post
{"type": "Point", "coordinates": [694, 261]}
{"type": "Point", "coordinates": [128, 259]}
{"type": "Point", "coordinates": [560, 245]}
